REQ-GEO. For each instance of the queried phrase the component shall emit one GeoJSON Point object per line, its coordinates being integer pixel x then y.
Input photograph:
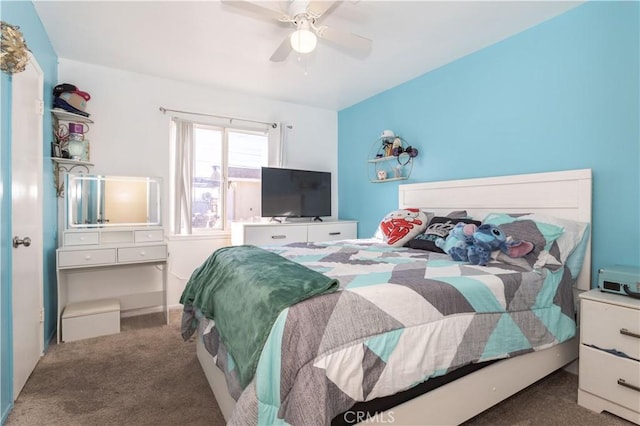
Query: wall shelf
{"type": "Point", "coordinates": [66, 165]}
{"type": "Point", "coordinates": [63, 115]}
{"type": "Point", "coordinates": [395, 167]}
{"type": "Point", "coordinates": [67, 162]}
{"type": "Point", "coordinates": [382, 159]}
{"type": "Point", "coordinates": [388, 180]}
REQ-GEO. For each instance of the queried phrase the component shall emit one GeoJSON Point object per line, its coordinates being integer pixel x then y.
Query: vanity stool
{"type": "Point", "coordinates": [93, 318]}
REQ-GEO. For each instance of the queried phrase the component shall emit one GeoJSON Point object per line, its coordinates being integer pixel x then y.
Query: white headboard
{"type": "Point", "coordinates": [565, 194]}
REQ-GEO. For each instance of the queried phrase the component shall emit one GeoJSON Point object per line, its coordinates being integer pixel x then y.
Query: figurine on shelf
{"type": "Point", "coordinates": [56, 150]}
{"type": "Point", "coordinates": [388, 149]}
{"type": "Point", "coordinates": [387, 136]}
{"type": "Point", "coordinates": [382, 174]}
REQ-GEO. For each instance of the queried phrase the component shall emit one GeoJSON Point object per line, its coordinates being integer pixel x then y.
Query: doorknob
{"type": "Point", "coordinates": [25, 242]}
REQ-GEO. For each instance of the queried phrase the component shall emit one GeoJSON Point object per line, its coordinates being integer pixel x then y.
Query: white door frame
{"type": "Point", "coordinates": [26, 365]}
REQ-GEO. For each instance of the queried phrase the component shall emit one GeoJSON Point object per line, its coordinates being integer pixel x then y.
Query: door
{"type": "Point", "coordinates": [26, 221]}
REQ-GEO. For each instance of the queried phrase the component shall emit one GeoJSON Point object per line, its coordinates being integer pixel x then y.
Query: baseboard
{"type": "Point", "coordinates": [176, 307]}
{"type": "Point", "coordinates": [144, 311]}
{"type": "Point", "coordinates": [47, 342]}
{"type": "Point", "coordinates": [140, 311]}
{"type": "Point", "coordinates": [5, 415]}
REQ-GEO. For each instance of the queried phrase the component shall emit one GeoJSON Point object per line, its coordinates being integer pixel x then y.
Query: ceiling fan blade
{"type": "Point", "coordinates": [282, 51]}
{"type": "Point", "coordinates": [345, 39]}
{"type": "Point", "coordinates": [318, 8]}
{"type": "Point", "coordinates": [259, 9]}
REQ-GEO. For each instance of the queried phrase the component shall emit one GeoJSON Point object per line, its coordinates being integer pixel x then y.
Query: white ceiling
{"type": "Point", "coordinates": [211, 43]}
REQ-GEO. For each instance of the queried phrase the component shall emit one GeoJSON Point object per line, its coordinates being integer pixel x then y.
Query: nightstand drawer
{"type": "Point", "coordinates": [609, 326]}
{"type": "Point", "coordinates": [75, 258]}
{"type": "Point", "coordinates": [332, 231]}
{"type": "Point", "coordinates": [142, 254]}
{"type": "Point", "coordinates": [600, 373]}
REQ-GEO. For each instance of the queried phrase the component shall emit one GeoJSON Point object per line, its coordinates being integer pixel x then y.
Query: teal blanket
{"type": "Point", "coordinates": [244, 289]}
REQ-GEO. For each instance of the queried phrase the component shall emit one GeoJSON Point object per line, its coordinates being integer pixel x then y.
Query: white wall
{"type": "Point", "coordinates": [130, 137]}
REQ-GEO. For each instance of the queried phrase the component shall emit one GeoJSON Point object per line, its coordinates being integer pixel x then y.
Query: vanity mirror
{"type": "Point", "coordinates": [94, 201]}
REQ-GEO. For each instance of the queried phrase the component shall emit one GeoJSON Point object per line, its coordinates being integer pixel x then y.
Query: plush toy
{"type": "Point", "coordinates": [488, 238]}
{"type": "Point", "coordinates": [468, 243]}
{"type": "Point", "coordinates": [458, 240]}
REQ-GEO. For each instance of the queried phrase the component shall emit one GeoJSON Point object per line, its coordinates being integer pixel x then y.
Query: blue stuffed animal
{"type": "Point", "coordinates": [488, 238]}
{"type": "Point", "coordinates": [458, 240]}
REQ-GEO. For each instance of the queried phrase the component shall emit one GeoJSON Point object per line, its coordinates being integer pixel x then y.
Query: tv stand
{"type": "Point", "coordinates": [266, 233]}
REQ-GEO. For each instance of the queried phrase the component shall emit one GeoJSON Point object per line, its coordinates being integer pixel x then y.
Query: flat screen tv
{"type": "Point", "coordinates": [295, 193]}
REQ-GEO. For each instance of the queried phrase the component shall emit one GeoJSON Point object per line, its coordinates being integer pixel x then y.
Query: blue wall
{"type": "Point", "coordinates": [23, 14]}
{"type": "Point", "coordinates": [561, 95]}
{"type": "Point", "coordinates": [6, 365]}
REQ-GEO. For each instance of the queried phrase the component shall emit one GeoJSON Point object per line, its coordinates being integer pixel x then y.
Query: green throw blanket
{"type": "Point", "coordinates": [244, 289]}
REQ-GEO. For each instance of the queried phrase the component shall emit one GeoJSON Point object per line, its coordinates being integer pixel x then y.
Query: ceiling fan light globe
{"type": "Point", "coordinates": [303, 41]}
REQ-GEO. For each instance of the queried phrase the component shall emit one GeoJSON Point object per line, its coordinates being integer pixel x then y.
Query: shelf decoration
{"type": "Point", "coordinates": [385, 152]}
{"type": "Point", "coordinates": [14, 53]}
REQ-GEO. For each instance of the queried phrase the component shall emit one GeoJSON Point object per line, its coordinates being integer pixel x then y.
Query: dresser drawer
{"type": "Point", "coordinates": [275, 235]}
{"type": "Point", "coordinates": [75, 258]}
{"type": "Point", "coordinates": [600, 373]}
{"type": "Point", "coordinates": [149, 236]}
{"type": "Point", "coordinates": [610, 326]}
{"type": "Point", "coordinates": [81, 238]}
{"type": "Point", "coordinates": [332, 231]}
{"type": "Point", "coordinates": [142, 254]}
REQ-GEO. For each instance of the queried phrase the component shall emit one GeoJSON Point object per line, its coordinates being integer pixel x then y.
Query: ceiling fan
{"type": "Point", "coordinates": [304, 16]}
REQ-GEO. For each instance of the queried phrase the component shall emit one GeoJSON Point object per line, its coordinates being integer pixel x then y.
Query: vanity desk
{"type": "Point", "coordinates": [105, 263]}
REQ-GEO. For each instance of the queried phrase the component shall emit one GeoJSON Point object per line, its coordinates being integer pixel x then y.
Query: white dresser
{"type": "Point", "coordinates": [100, 249]}
{"type": "Point", "coordinates": [610, 381]}
{"type": "Point", "coordinates": [261, 234]}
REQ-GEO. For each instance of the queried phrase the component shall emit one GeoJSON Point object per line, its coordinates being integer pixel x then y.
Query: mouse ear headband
{"type": "Point", "coordinates": [410, 151]}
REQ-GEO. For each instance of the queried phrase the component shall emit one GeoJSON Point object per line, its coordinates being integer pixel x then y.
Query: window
{"type": "Point", "coordinates": [216, 175]}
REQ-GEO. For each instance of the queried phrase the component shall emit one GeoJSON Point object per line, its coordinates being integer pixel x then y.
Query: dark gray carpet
{"type": "Point", "coordinates": [147, 375]}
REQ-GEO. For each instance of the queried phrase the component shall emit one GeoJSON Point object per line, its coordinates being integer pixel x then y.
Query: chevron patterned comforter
{"type": "Point", "coordinates": [402, 316]}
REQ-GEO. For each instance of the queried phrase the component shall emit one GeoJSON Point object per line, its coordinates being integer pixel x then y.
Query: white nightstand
{"type": "Point", "coordinates": [610, 381]}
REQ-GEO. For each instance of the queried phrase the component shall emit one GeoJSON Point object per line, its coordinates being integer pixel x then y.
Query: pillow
{"type": "Point", "coordinates": [542, 234]}
{"type": "Point", "coordinates": [430, 215]}
{"type": "Point", "coordinates": [458, 214]}
{"type": "Point", "coordinates": [572, 241]}
{"type": "Point", "coordinates": [380, 236]}
{"type": "Point", "coordinates": [399, 226]}
{"type": "Point", "coordinates": [576, 258]}
{"type": "Point", "coordinates": [439, 227]}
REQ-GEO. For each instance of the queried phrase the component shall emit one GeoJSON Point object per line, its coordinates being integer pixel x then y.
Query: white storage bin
{"type": "Point", "coordinates": [92, 318]}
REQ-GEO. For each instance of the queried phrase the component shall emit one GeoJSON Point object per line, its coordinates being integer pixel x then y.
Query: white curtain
{"type": "Point", "coordinates": [183, 156]}
{"type": "Point", "coordinates": [280, 138]}
{"type": "Point", "coordinates": [275, 145]}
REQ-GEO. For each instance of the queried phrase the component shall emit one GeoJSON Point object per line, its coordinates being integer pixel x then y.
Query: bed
{"type": "Point", "coordinates": [504, 371]}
